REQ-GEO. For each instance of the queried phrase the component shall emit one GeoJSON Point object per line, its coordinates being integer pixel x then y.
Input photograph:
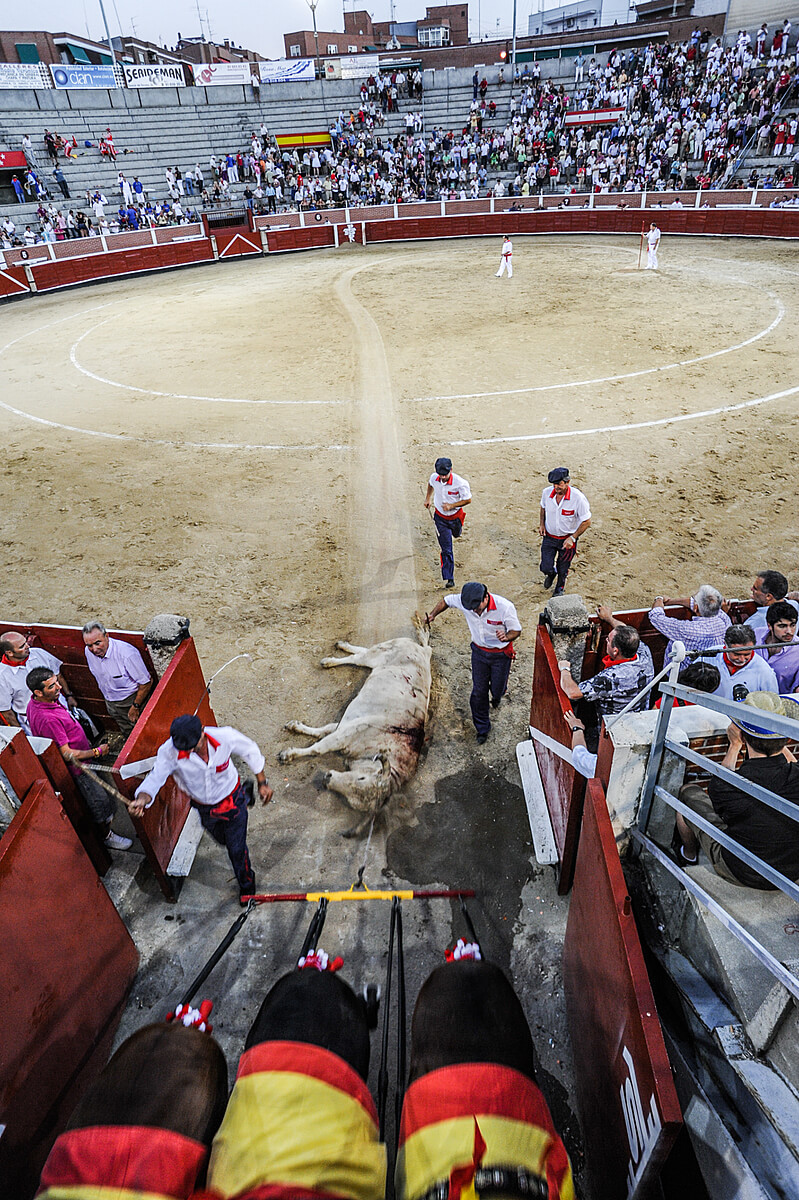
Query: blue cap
{"type": "Point", "coordinates": [472, 595]}
{"type": "Point", "coordinates": [557, 474]}
{"type": "Point", "coordinates": [186, 732]}
{"type": "Point", "coordinates": [443, 466]}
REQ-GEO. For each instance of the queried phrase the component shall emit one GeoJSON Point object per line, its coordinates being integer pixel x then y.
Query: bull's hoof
{"type": "Point", "coordinates": [352, 833]}
{"type": "Point", "coordinates": [284, 756]}
{"type": "Point", "coordinates": [326, 777]}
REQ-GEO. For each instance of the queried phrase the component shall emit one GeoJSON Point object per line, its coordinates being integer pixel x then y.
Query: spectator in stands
{"type": "Point", "coordinates": [18, 658]}
{"type": "Point", "coordinates": [703, 630]}
{"type": "Point", "coordinates": [757, 827]}
{"type": "Point", "coordinates": [120, 673]}
{"type": "Point", "coordinates": [782, 655]}
{"type": "Point", "coordinates": [768, 588]}
{"type": "Point", "coordinates": [626, 669]}
{"type": "Point", "coordinates": [742, 671]}
{"type": "Point", "coordinates": [17, 186]}
{"type": "Point", "coordinates": [47, 718]}
{"type": "Point", "coordinates": [58, 176]}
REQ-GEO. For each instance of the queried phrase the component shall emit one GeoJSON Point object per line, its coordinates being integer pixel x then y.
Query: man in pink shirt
{"type": "Point", "coordinates": [47, 718]}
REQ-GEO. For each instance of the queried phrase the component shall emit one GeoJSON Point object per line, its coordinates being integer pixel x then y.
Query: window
{"type": "Point", "coordinates": [295, 51]}
{"type": "Point", "coordinates": [332, 48]}
{"type": "Point", "coordinates": [352, 49]}
{"type": "Point", "coordinates": [434, 35]}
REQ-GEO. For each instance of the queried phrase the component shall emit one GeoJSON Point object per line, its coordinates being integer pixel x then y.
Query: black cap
{"type": "Point", "coordinates": [186, 732]}
{"type": "Point", "coordinates": [557, 474]}
{"type": "Point", "coordinates": [472, 595]}
{"type": "Point", "coordinates": [443, 466]}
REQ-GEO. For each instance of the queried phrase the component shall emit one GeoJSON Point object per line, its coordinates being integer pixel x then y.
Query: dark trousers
{"type": "Point", "coordinates": [490, 671]}
{"type": "Point", "coordinates": [554, 559]}
{"type": "Point", "coordinates": [447, 528]}
{"type": "Point", "coordinates": [227, 824]}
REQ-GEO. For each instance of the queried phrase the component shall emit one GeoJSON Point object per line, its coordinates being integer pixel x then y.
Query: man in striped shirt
{"type": "Point", "coordinates": [703, 630]}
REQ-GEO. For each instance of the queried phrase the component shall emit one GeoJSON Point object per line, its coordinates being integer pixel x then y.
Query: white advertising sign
{"type": "Point", "coordinates": [21, 75]}
{"type": "Point", "coordinates": [359, 66]}
{"type": "Point", "coordinates": [83, 76]}
{"type": "Point", "coordinates": [154, 75]}
{"type": "Point", "coordinates": [210, 74]}
{"type": "Point", "coordinates": [287, 70]}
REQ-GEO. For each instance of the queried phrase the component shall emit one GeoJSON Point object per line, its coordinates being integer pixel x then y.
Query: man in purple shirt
{"type": "Point", "coordinates": [47, 718]}
{"type": "Point", "coordinates": [120, 673]}
{"type": "Point", "coordinates": [783, 658]}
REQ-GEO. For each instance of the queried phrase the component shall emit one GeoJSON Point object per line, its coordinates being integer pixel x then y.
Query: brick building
{"type": "Point", "coordinates": [442, 25]}
{"type": "Point", "coordinates": [34, 46]}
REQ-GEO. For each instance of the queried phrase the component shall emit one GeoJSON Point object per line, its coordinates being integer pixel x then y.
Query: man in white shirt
{"type": "Point", "coordinates": [18, 659]}
{"type": "Point", "coordinates": [494, 627]}
{"type": "Point", "coordinates": [652, 244]}
{"type": "Point", "coordinates": [450, 494]}
{"type": "Point", "coordinates": [506, 261]}
{"type": "Point", "coordinates": [742, 671]}
{"type": "Point", "coordinates": [120, 674]}
{"type": "Point", "coordinates": [198, 759]}
{"type": "Point", "coordinates": [565, 515]}
{"type": "Point", "coordinates": [768, 588]}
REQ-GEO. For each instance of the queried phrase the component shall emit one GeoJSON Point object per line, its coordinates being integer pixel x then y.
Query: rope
{"type": "Point", "coordinates": [359, 881]}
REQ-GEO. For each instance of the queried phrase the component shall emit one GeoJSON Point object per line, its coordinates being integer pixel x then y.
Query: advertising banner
{"type": "Point", "coordinates": [154, 75]}
{"type": "Point", "coordinates": [11, 159]}
{"type": "Point", "coordinates": [287, 70]}
{"type": "Point", "coordinates": [210, 74]}
{"type": "Point", "coordinates": [594, 116]}
{"type": "Point", "coordinates": [81, 75]}
{"type": "Point", "coordinates": [21, 75]}
{"type": "Point", "coordinates": [359, 66]}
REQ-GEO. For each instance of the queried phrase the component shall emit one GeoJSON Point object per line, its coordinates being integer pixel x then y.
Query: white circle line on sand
{"type": "Point", "coordinates": [572, 433]}
{"type": "Point", "coordinates": [574, 383]}
{"type": "Point", "coordinates": [127, 437]}
{"type": "Point", "coordinates": [129, 387]}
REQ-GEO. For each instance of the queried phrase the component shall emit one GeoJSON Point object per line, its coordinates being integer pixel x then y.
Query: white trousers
{"type": "Point", "coordinates": [503, 263]}
{"type": "Point", "coordinates": [652, 258]}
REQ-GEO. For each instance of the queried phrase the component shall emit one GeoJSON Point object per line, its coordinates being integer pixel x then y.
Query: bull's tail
{"type": "Point", "coordinates": [422, 631]}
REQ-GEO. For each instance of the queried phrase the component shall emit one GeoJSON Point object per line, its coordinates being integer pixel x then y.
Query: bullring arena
{"type": "Point", "coordinates": [248, 444]}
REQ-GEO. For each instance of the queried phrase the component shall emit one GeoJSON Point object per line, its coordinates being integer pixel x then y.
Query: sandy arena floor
{"type": "Point", "coordinates": [249, 445]}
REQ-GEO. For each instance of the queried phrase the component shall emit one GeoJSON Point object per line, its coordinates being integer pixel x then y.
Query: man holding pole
{"type": "Point", "coordinates": [199, 760]}
{"type": "Point", "coordinates": [47, 718]}
{"type": "Point", "coordinates": [652, 244]}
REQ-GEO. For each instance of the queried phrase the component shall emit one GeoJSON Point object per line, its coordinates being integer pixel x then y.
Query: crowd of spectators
{"type": "Point", "coordinates": [684, 115]}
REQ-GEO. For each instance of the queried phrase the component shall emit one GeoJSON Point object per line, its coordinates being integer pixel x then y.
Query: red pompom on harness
{"type": "Point", "coordinates": [463, 950]}
{"type": "Point", "coordinates": [193, 1018]}
{"type": "Point", "coordinates": [318, 960]}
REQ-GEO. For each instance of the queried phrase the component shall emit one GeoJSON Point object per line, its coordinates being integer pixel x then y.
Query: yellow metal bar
{"type": "Point", "coordinates": [361, 894]}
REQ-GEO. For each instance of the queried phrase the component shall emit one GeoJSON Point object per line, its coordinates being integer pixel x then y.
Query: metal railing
{"type": "Point", "coordinates": [652, 789]}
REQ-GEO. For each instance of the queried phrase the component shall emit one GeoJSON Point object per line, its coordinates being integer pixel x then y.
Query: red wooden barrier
{"type": "Point", "coordinates": [66, 965]}
{"type": "Point", "coordinates": [13, 282]}
{"type": "Point", "coordinates": [300, 239]}
{"type": "Point", "coordinates": [629, 1111]}
{"type": "Point", "coordinates": [180, 689]}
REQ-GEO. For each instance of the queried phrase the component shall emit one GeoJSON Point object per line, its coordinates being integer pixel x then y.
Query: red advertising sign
{"type": "Point", "coordinates": [12, 160]}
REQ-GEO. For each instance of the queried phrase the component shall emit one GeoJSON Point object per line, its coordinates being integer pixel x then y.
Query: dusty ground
{"type": "Point", "coordinates": [249, 444]}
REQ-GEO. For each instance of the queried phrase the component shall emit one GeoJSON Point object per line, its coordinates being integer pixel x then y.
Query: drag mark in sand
{"type": "Point", "coordinates": [381, 545]}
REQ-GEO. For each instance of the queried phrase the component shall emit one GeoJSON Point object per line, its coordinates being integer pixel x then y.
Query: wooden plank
{"type": "Point", "coordinates": [546, 851]}
{"type": "Point", "coordinates": [629, 1110]}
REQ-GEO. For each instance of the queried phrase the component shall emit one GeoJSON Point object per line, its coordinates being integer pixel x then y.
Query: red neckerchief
{"type": "Point", "coordinates": [11, 663]}
{"type": "Point", "coordinates": [731, 666]}
{"type": "Point", "coordinates": [491, 604]}
{"type": "Point", "coordinates": [441, 478]}
{"type": "Point", "coordinates": [188, 753]}
{"type": "Point", "coordinates": [566, 495]}
{"type": "Point", "coordinates": [607, 661]}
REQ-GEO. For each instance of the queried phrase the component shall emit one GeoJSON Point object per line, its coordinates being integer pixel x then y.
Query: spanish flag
{"type": "Point", "coordinates": [291, 141]}
{"type": "Point", "coordinates": [472, 1115]}
{"type": "Point", "coordinates": [300, 1122]}
{"type": "Point", "coordinates": [123, 1162]}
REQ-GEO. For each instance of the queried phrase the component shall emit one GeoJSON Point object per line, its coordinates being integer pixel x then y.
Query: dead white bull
{"type": "Point", "coordinates": [381, 733]}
